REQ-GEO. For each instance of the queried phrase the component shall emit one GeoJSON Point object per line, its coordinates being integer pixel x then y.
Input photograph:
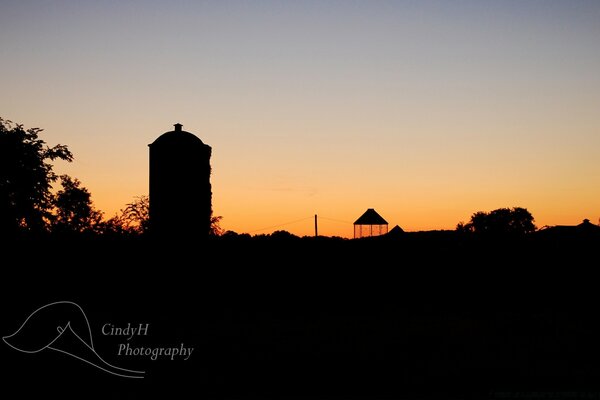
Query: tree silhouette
{"type": "Point", "coordinates": [26, 177]}
{"type": "Point", "coordinates": [502, 221]}
{"type": "Point", "coordinates": [133, 220]}
{"type": "Point", "coordinates": [136, 214]}
{"type": "Point", "coordinates": [215, 226]}
{"type": "Point", "coordinates": [74, 211]}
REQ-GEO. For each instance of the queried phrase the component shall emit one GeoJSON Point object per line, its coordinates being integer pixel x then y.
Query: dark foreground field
{"type": "Point", "coordinates": [418, 316]}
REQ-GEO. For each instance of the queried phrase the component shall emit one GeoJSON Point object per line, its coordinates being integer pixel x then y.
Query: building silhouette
{"type": "Point", "coordinates": [180, 190]}
{"type": "Point", "coordinates": [370, 224]}
{"type": "Point", "coordinates": [584, 230]}
{"type": "Point", "coordinates": [396, 231]}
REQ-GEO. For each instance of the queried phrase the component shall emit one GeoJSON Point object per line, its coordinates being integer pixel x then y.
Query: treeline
{"type": "Point", "coordinates": [36, 201]}
{"type": "Point", "coordinates": [30, 207]}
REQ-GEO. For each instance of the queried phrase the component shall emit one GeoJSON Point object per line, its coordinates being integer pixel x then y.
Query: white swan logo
{"type": "Point", "coordinates": [63, 326]}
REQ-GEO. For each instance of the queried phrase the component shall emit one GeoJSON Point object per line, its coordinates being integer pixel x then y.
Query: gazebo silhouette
{"type": "Point", "coordinates": [370, 224]}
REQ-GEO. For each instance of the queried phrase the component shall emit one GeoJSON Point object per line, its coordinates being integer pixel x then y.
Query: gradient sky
{"type": "Point", "coordinates": [426, 111]}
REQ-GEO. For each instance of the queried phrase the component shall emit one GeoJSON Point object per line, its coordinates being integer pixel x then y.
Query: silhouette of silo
{"type": "Point", "coordinates": [180, 190]}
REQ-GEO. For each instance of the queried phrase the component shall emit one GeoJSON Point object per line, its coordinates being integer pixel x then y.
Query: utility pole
{"type": "Point", "coordinates": [316, 229]}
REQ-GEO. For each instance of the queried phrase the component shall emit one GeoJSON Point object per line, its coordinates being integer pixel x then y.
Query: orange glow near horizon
{"type": "Point", "coordinates": [428, 189]}
{"type": "Point", "coordinates": [416, 206]}
{"type": "Point", "coordinates": [425, 111]}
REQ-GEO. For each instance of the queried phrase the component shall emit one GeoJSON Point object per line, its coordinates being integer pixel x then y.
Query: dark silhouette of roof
{"type": "Point", "coordinates": [370, 217]}
{"type": "Point", "coordinates": [178, 136]}
{"type": "Point", "coordinates": [586, 225]}
{"type": "Point", "coordinates": [396, 230]}
{"type": "Point", "coordinates": [586, 228]}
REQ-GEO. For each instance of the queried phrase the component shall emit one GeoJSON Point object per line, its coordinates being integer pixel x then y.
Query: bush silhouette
{"type": "Point", "coordinates": [502, 221]}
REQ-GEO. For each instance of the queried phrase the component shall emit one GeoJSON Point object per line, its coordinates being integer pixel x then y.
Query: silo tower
{"type": "Point", "coordinates": [180, 190]}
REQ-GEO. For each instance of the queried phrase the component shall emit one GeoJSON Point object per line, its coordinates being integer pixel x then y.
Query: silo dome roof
{"type": "Point", "coordinates": [178, 136]}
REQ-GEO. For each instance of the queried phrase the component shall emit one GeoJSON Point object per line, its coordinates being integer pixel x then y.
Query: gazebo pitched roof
{"type": "Point", "coordinates": [370, 217]}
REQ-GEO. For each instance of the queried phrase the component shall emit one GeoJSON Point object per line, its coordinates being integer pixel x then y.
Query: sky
{"type": "Point", "coordinates": [427, 111]}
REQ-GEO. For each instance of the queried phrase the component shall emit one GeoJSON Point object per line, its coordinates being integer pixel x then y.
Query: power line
{"type": "Point", "coordinates": [299, 220]}
{"type": "Point", "coordinates": [284, 224]}
{"type": "Point", "coordinates": [335, 220]}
